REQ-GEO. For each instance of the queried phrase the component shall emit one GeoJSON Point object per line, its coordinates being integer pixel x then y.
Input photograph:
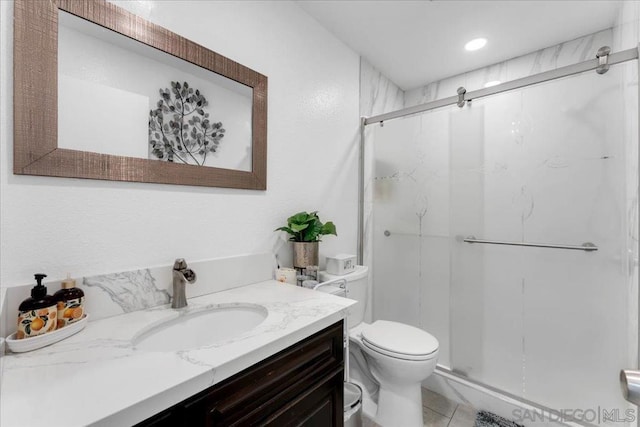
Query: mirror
{"type": "Point", "coordinates": [100, 93]}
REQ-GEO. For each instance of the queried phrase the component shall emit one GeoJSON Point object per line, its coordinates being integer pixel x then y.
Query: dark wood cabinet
{"type": "Point", "coordinates": [299, 386]}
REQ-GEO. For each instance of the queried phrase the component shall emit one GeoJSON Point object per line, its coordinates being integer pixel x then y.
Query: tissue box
{"type": "Point", "coordinates": [341, 264]}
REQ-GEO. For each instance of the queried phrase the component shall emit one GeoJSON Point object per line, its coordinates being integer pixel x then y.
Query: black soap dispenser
{"type": "Point", "coordinates": [38, 314]}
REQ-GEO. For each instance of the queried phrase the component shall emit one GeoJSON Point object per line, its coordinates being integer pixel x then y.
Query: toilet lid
{"type": "Point", "coordinates": [394, 338]}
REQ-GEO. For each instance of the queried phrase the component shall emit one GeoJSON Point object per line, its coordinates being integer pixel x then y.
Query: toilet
{"type": "Point", "coordinates": [389, 360]}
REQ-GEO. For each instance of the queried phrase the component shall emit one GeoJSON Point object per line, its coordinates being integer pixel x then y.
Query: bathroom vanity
{"type": "Point", "coordinates": [287, 368]}
{"type": "Point", "coordinates": [301, 385]}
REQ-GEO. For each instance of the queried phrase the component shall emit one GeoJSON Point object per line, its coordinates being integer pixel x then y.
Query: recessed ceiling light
{"type": "Point", "coordinates": [475, 44]}
{"type": "Point", "coordinates": [492, 83]}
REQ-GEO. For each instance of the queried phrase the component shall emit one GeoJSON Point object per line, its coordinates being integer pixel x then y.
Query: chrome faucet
{"type": "Point", "coordinates": [181, 275]}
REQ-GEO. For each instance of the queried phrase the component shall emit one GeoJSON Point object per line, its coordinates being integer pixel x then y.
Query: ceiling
{"type": "Point", "coordinates": [417, 42]}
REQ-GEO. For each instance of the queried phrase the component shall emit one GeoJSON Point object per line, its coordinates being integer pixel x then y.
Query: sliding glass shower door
{"type": "Point", "coordinates": [410, 227]}
{"type": "Point", "coordinates": [552, 164]}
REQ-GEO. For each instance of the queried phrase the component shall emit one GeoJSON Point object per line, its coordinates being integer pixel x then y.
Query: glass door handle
{"type": "Point", "coordinates": [630, 384]}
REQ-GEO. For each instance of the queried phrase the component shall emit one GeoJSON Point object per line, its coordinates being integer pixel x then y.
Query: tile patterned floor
{"type": "Point", "coordinates": [438, 411]}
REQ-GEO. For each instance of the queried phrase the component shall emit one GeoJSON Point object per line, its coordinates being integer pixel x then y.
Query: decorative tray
{"type": "Point", "coordinates": [39, 341]}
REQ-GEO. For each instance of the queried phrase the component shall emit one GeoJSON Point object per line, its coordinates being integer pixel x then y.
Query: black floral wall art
{"type": "Point", "coordinates": [180, 129]}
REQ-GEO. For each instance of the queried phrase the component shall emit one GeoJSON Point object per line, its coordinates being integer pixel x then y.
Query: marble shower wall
{"type": "Point", "coordinates": [378, 94]}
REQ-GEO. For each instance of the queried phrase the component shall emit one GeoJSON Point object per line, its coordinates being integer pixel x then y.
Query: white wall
{"type": "Point", "coordinates": [55, 225]}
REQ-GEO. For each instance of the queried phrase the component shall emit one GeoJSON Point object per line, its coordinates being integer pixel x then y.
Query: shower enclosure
{"type": "Point", "coordinates": [506, 226]}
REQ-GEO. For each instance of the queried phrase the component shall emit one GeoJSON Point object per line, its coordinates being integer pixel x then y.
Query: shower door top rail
{"type": "Point", "coordinates": [592, 64]}
{"type": "Point", "coordinates": [587, 246]}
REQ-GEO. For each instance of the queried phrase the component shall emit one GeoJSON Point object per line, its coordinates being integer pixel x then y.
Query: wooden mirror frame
{"type": "Point", "coordinates": [35, 100]}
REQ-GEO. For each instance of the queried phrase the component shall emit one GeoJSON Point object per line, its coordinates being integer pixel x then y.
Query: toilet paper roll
{"type": "Point", "coordinates": [287, 275]}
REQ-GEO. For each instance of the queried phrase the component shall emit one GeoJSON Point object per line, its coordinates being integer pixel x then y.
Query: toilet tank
{"type": "Point", "coordinates": [356, 285]}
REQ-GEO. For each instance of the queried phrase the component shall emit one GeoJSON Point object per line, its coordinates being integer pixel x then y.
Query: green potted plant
{"type": "Point", "coordinates": [305, 230]}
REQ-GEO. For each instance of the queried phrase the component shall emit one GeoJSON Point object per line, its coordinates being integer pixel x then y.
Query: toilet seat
{"type": "Point", "coordinates": [399, 341]}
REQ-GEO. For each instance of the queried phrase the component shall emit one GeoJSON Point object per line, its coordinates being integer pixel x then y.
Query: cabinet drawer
{"type": "Point", "coordinates": [315, 407]}
{"type": "Point", "coordinates": [261, 390]}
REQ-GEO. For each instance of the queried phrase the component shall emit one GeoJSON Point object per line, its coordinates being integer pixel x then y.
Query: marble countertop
{"type": "Point", "coordinates": [97, 377]}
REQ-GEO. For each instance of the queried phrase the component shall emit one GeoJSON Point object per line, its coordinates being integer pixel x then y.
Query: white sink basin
{"type": "Point", "coordinates": [201, 328]}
